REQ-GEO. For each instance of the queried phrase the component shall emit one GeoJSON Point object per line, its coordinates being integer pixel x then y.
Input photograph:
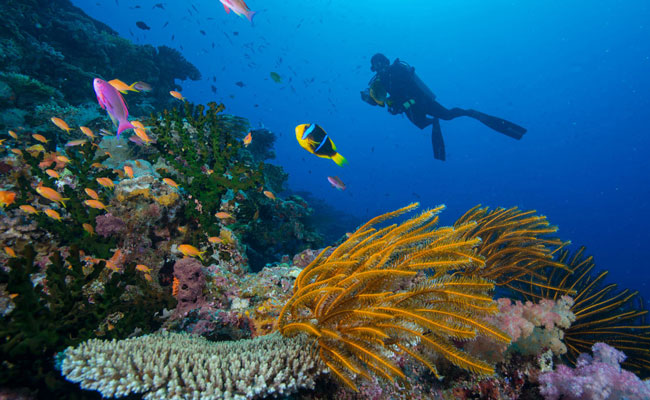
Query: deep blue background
{"type": "Point", "coordinates": [577, 76]}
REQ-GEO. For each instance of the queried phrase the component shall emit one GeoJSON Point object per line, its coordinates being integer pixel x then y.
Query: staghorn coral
{"type": "Point", "coordinates": [175, 366]}
{"type": "Point", "coordinates": [361, 305]}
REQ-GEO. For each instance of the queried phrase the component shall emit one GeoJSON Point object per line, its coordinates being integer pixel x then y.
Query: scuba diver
{"type": "Point", "coordinates": [409, 95]}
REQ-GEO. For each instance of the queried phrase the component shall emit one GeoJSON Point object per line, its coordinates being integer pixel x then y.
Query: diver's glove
{"type": "Point", "coordinates": [394, 108]}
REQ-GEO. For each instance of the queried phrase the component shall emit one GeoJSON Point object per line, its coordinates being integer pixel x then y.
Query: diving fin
{"type": "Point", "coordinates": [500, 125]}
{"type": "Point", "coordinates": [437, 141]}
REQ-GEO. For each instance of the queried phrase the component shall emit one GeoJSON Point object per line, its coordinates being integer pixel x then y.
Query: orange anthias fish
{"type": "Point", "coordinates": [91, 193]}
{"type": "Point", "coordinates": [142, 135]}
{"type": "Point", "coordinates": [175, 285]}
{"type": "Point", "coordinates": [7, 198]}
{"type": "Point", "coordinates": [10, 252]}
{"type": "Point", "coordinates": [223, 215]}
{"type": "Point", "coordinates": [40, 138]}
{"type": "Point", "coordinates": [52, 214]}
{"type": "Point", "coordinates": [248, 139]}
{"type": "Point", "coordinates": [119, 173]}
{"type": "Point", "coordinates": [177, 95]}
{"type": "Point", "coordinates": [35, 149]}
{"type": "Point", "coordinates": [170, 183]}
{"type": "Point", "coordinates": [28, 209]}
{"type": "Point", "coordinates": [95, 204]}
{"type": "Point", "coordinates": [123, 87]}
{"type": "Point", "coordinates": [13, 134]}
{"type": "Point", "coordinates": [269, 194]}
{"type": "Point", "coordinates": [138, 124]}
{"type": "Point", "coordinates": [61, 124]}
{"type": "Point", "coordinates": [191, 251]}
{"type": "Point", "coordinates": [116, 261]}
{"type": "Point", "coordinates": [52, 173]}
{"type": "Point", "coordinates": [106, 182]}
{"type": "Point", "coordinates": [63, 159]}
{"type": "Point", "coordinates": [214, 239]}
{"type": "Point", "coordinates": [51, 195]}
{"type": "Point", "coordinates": [88, 228]}
{"type": "Point", "coordinates": [87, 131]}
{"type": "Point", "coordinates": [128, 170]}
{"type": "Point", "coordinates": [143, 268]}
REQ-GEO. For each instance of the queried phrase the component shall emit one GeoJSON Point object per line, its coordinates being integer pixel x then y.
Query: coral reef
{"type": "Point", "coordinates": [535, 326]}
{"type": "Point", "coordinates": [595, 378]}
{"type": "Point", "coordinates": [49, 48]}
{"type": "Point", "coordinates": [168, 365]}
{"type": "Point", "coordinates": [602, 313]}
{"type": "Point", "coordinates": [362, 306]}
{"type": "Point", "coordinates": [200, 149]}
{"type": "Point", "coordinates": [71, 303]}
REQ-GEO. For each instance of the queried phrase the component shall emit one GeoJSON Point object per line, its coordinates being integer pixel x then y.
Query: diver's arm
{"type": "Point", "coordinates": [394, 107]}
{"type": "Point", "coordinates": [365, 96]}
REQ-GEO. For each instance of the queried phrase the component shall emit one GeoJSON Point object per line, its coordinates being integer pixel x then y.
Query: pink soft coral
{"type": "Point", "coordinates": [595, 378]}
{"type": "Point", "coordinates": [534, 327]}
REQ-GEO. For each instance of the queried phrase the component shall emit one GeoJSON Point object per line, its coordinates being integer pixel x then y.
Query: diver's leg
{"type": "Point", "coordinates": [500, 125]}
{"type": "Point", "coordinates": [439, 111]}
{"type": "Point", "coordinates": [418, 116]}
{"type": "Point", "coordinates": [437, 141]}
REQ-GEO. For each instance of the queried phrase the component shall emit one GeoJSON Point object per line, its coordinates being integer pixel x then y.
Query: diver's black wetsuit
{"type": "Point", "coordinates": [409, 95]}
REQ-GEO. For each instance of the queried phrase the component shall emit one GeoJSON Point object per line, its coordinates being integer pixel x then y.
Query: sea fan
{"type": "Point", "coordinates": [363, 306]}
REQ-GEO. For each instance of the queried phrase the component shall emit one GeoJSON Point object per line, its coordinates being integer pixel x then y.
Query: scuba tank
{"type": "Point", "coordinates": [419, 83]}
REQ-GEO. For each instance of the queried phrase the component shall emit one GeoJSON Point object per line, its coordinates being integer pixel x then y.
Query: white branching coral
{"type": "Point", "coordinates": [180, 366]}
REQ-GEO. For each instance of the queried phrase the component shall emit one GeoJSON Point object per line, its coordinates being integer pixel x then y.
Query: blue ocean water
{"type": "Point", "coordinates": [575, 74]}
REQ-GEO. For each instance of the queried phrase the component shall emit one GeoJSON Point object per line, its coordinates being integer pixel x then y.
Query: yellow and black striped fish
{"type": "Point", "coordinates": [315, 140]}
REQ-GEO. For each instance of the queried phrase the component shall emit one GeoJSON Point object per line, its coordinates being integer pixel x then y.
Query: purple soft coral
{"type": "Point", "coordinates": [595, 378]}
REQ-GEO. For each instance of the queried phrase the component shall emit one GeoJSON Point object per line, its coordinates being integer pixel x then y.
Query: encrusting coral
{"type": "Point", "coordinates": [363, 304]}
{"type": "Point", "coordinates": [180, 366]}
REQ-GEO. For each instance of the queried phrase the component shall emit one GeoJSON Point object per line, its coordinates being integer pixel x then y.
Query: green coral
{"type": "Point", "coordinates": [70, 305]}
{"type": "Point", "coordinates": [81, 168]}
{"type": "Point", "coordinates": [199, 146]}
{"type": "Point", "coordinates": [28, 90]}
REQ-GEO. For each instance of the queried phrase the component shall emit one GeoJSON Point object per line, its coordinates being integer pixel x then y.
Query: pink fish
{"type": "Point", "coordinates": [336, 182]}
{"type": "Point", "coordinates": [143, 86]}
{"type": "Point", "coordinates": [136, 140]}
{"type": "Point", "coordinates": [111, 100]}
{"type": "Point", "coordinates": [239, 7]}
